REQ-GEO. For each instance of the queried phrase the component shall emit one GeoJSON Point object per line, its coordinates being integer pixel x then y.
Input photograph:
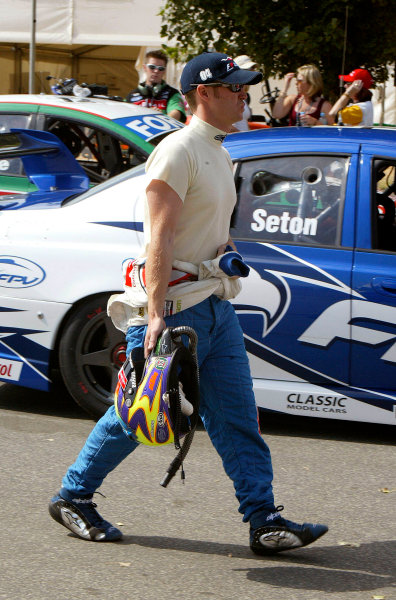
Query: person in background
{"type": "Point", "coordinates": [154, 92]}
{"type": "Point", "coordinates": [308, 107]}
{"type": "Point", "coordinates": [245, 62]}
{"type": "Point", "coordinates": [354, 106]}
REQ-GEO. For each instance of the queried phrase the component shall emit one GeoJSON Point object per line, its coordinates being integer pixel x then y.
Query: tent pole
{"type": "Point", "coordinates": [32, 48]}
{"type": "Point", "coordinates": [344, 49]}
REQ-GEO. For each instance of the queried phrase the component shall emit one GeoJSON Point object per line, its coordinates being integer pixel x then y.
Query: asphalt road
{"type": "Point", "coordinates": [187, 542]}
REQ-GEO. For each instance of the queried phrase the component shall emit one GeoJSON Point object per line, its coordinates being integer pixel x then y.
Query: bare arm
{"type": "Point", "coordinates": [165, 207]}
{"type": "Point", "coordinates": [343, 100]}
{"type": "Point", "coordinates": [326, 107]}
{"type": "Point", "coordinates": [282, 106]}
{"type": "Point", "coordinates": [340, 104]}
{"type": "Point", "coordinates": [285, 101]}
{"type": "Point", "coordinates": [176, 114]}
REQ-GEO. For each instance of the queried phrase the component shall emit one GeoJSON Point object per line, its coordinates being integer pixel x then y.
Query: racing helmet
{"type": "Point", "coordinates": [157, 400]}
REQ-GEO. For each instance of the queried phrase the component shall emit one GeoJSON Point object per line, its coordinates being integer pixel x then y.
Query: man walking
{"type": "Point", "coordinates": [190, 196]}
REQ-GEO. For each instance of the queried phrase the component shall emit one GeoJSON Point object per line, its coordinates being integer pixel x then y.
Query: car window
{"type": "Point", "coordinates": [383, 204]}
{"type": "Point", "coordinates": [291, 199]}
{"type": "Point", "coordinates": [13, 166]}
{"type": "Point", "coordinates": [101, 154]}
{"type": "Point", "coordinates": [10, 121]}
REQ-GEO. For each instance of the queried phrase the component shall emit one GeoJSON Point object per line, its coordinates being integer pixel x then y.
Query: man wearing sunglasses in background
{"type": "Point", "coordinates": [154, 92]}
{"type": "Point", "coordinates": [189, 198]}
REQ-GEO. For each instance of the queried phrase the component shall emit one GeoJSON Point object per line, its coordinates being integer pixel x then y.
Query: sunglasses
{"type": "Point", "coordinates": [156, 67]}
{"type": "Point", "coordinates": [233, 87]}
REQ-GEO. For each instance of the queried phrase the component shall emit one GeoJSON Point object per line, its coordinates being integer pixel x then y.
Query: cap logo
{"type": "Point", "coordinates": [206, 74]}
{"type": "Point", "coordinates": [230, 63]}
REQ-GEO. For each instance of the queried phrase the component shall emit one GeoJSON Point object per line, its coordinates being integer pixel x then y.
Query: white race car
{"type": "Point", "coordinates": [315, 220]}
{"type": "Point", "coordinates": [60, 259]}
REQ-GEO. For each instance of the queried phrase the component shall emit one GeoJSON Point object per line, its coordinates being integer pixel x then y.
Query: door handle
{"type": "Point", "coordinates": [384, 284]}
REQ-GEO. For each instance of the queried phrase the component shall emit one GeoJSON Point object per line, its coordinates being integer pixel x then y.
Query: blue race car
{"type": "Point", "coordinates": [315, 220]}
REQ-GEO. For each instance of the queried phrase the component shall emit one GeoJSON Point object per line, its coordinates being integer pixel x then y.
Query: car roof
{"type": "Point", "coordinates": [333, 138]}
{"type": "Point", "coordinates": [144, 126]}
{"type": "Point", "coordinates": [110, 109]}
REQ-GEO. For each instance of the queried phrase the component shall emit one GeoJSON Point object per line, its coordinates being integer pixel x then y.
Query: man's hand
{"type": "Point", "coordinates": [223, 247]}
{"type": "Point", "coordinates": [154, 330]}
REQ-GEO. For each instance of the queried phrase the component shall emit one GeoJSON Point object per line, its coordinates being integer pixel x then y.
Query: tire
{"type": "Point", "coordinates": [91, 351]}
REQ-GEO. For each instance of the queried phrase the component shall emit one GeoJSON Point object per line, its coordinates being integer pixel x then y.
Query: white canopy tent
{"type": "Point", "coordinates": [98, 41]}
{"type": "Point", "coordinates": [96, 22]}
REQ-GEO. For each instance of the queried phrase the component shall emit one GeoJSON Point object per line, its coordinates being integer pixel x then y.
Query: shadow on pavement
{"type": "Point", "coordinates": [57, 403]}
{"type": "Point", "coordinates": [329, 569]}
{"type": "Point", "coordinates": [333, 569]}
{"type": "Point", "coordinates": [60, 403]}
{"type": "Point", "coordinates": [290, 425]}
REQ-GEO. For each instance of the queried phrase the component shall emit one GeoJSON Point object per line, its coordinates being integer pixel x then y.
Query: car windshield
{"type": "Point", "coordinates": [129, 174]}
{"type": "Point", "coordinates": [9, 141]}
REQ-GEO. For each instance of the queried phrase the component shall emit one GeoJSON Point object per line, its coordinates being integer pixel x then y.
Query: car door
{"type": "Point", "coordinates": [294, 225]}
{"type": "Point", "coordinates": [373, 322]}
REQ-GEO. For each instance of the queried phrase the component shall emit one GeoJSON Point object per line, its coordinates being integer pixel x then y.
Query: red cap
{"type": "Point", "coordinates": [361, 74]}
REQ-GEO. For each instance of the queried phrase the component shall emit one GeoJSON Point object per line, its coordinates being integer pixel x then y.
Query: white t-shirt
{"type": "Point", "coordinates": [243, 125]}
{"type": "Point", "coordinates": [196, 166]}
{"type": "Point", "coordinates": [358, 114]}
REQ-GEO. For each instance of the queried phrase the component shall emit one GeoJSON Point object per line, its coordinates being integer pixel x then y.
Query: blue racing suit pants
{"type": "Point", "coordinates": [228, 411]}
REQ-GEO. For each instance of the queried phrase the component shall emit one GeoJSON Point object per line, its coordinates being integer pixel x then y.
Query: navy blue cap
{"type": "Point", "coordinates": [214, 66]}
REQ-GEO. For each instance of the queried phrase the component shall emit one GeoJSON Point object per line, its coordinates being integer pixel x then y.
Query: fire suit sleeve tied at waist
{"type": "Point", "coordinates": [188, 286]}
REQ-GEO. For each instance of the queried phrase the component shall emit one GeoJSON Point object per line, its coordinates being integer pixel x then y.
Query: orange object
{"type": "Point", "coordinates": [257, 125]}
{"type": "Point", "coordinates": [152, 381]}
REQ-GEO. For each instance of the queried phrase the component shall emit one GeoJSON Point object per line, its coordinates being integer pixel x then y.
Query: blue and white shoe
{"type": "Point", "coordinates": [81, 517]}
{"type": "Point", "coordinates": [273, 534]}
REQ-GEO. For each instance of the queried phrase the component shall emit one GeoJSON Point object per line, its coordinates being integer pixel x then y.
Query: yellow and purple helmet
{"type": "Point", "coordinates": [157, 400]}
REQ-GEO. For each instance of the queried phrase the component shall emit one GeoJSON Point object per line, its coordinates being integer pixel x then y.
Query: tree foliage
{"type": "Point", "coordinates": [282, 35]}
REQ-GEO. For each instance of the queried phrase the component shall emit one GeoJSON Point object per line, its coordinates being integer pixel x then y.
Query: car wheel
{"type": "Point", "coordinates": [91, 351]}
